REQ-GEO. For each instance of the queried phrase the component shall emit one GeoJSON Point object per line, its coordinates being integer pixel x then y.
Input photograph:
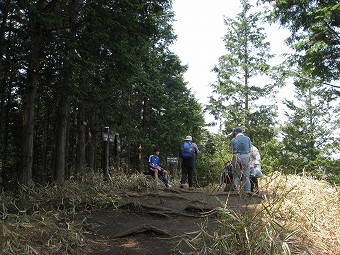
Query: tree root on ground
{"type": "Point", "coordinates": [139, 207]}
{"type": "Point", "coordinates": [145, 228]}
{"type": "Point", "coordinates": [167, 195]}
{"type": "Point", "coordinates": [197, 209]}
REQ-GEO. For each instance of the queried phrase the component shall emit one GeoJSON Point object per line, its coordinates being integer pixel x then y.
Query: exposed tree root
{"type": "Point", "coordinates": [168, 195]}
{"type": "Point", "coordinates": [146, 229]}
{"type": "Point", "coordinates": [139, 207]}
{"type": "Point", "coordinates": [197, 209]}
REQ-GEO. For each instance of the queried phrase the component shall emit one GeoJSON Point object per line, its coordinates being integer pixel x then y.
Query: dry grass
{"type": "Point", "coordinates": [39, 232]}
{"type": "Point", "coordinates": [309, 207]}
{"type": "Point", "coordinates": [298, 215]}
{"type": "Point", "coordinates": [41, 220]}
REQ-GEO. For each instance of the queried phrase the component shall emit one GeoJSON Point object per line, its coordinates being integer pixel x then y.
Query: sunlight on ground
{"type": "Point", "coordinates": [131, 244]}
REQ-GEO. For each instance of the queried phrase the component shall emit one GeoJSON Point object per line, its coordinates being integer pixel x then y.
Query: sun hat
{"type": "Point", "coordinates": [188, 138]}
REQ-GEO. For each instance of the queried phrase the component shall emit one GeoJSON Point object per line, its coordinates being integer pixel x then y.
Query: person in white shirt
{"type": "Point", "coordinates": [255, 168]}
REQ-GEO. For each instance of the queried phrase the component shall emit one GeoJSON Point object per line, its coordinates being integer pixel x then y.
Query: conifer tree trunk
{"type": "Point", "coordinates": [25, 175]}
{"type": "Point", "coordinates": [246, 98]}
{"type": "Point", "coordinates": [92, 151]}
{"type": "Point", "coordinates": [3, 108]}
{"type": "Point", "coordinates": [80, 147]}
{"type": "Point", "coordinates": [63, 108]}
{"type": "Point", "coordinates": [6, 170]}
{"type": "Point", "coordinates": [3, 25]}
{"type": "Point", "coordinates": [92, 143]}
{"type": "Point", "coordinates": [61, 138]}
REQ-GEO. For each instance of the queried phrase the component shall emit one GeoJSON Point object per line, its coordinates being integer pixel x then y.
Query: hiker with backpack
{"type": "Point", "coordinates": [156, 170]}
{"type": "Point", "coordinates": [240, 147]}
{"type": "Point", "coordinates": [188, 154]}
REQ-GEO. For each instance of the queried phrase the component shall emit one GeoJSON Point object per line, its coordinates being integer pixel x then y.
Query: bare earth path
{"type": "Point", "coordinates": [155, 223]}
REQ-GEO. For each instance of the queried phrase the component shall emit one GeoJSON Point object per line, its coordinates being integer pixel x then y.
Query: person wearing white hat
{"type": "Point", "coordinates": [188, 153]}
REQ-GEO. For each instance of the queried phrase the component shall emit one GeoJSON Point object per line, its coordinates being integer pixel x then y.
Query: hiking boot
{"type": "Point", "coordinates": [182, 186]}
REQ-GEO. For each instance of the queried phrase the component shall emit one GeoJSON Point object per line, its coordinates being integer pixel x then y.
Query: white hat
{"type": "Point", "coordinates": [188, 138]}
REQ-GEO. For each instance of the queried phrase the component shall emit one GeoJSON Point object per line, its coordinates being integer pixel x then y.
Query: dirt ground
{"type": "Point", "coordinates": [155, 223]}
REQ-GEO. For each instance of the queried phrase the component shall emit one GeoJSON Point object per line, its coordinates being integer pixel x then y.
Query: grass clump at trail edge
{"type": "Point", "coordinates": [41, 220]}
{"type": "Point", "coordinates": [298, 215]}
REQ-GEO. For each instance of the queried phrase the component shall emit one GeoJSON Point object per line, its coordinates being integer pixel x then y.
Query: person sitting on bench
{"type": "Point", "coordinates": [156, 170]}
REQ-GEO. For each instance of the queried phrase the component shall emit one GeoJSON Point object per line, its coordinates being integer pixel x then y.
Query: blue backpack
{"type": "Point", "coordinates": [186, 151]}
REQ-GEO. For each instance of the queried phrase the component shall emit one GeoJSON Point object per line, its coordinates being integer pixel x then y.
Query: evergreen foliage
{"type": "Point", "coordinates": [241, 99]}
{"type": "Point", "coordinates": [314, 27]}
{"type": "Point", "coordinates": [308, 134]}
{"type": "Point", "coordinates": [72, 68]}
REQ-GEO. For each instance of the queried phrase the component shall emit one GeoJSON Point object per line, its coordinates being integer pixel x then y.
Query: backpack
{"type": "Point", "coordinates": [186, 151]}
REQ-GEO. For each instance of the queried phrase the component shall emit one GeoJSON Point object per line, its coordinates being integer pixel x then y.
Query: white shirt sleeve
{"type": "Point", "coordinates": [255, 157]}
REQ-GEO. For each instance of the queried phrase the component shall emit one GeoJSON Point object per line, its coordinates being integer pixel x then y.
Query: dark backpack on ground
{"type": "Point", "coordinates": [186, 151]}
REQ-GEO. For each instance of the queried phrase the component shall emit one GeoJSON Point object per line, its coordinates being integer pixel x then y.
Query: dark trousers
{"type": "Point", "coordinates": [254, 183]}
{"type": "Point", "coordinates": [187, 174]}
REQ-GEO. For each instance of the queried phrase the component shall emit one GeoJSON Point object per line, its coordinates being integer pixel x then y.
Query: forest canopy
{"type": "Point", "coordinates": [72, 70]}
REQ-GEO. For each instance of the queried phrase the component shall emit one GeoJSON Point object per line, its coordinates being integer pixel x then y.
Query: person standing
{"type": "Point", "coordinates": [188, 154]}
{"type": "Point", "coordinates": [156, 170]}
{"type": "Point", "coordinates": [255, 168]}
{"type": "Point", "coordinates": [240, 147]}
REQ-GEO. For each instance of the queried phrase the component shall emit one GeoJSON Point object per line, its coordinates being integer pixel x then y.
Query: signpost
{"type": "Point", "coordinates": [171, 162]}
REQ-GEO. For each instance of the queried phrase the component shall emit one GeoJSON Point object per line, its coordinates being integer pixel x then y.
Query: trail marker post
{"type": "Point", "coordinates": [171, 162]}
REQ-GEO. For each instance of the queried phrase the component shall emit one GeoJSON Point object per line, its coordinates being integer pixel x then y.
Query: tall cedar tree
{"type": "Point", "coordinates": [238, 88]}
{"type": "Point", "coordinates": [10, 78]}
{"type": "Point", "coordinates": [36, 28]}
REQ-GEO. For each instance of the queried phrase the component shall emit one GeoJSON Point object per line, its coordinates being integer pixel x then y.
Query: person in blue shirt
{"type": "Point", "coordinates": [188, 163]}
{"type": "Point", "coordinates": [240, 147]}
{"type": "Point", "coordinates": [156, 170]}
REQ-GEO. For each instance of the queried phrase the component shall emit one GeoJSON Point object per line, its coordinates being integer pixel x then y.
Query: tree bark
{"type": "Point", "coordinates": [5, 131]}
{"type": "Point", "coordinates": [80, 146]}
{"type": "Point", "coordinates": [63, 108]}
{"type": "Point", "coordinates": [92, 142]}
{"type": "Point", "coordinates": [92, 150]}
{"type": "Point", "coordinates": [4, 111]}
{"type": "Point", "coordinates": [25, 175]}
{"type": "Point", "coordinates": [61, 138]}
